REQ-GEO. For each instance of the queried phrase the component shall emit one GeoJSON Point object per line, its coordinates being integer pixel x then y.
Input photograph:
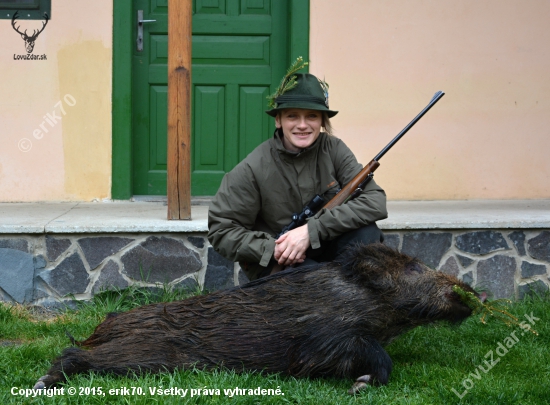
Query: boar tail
{"type": "Point", "coordinates": [74, 342]}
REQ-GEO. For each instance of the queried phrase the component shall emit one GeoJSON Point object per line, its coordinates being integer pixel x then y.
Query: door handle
{"type": "Point", "coordinates": [140, 22]}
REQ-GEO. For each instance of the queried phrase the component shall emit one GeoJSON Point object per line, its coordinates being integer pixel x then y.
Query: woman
{"type": "Point", "coordinates": [257, 199]}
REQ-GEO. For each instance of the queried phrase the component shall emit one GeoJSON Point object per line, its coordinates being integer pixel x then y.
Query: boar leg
{"type": "Point", "coordinates": [379, 366]}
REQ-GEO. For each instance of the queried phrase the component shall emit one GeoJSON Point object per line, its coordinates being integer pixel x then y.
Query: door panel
{"type": "Point", "coordinates": [252, 104]}
{"type": "Point", "coordinates": [159, 107]}
{"type": "Point", "coordinates": [239, 53]}
{"type": "Point", "coordinates": [209, 122]}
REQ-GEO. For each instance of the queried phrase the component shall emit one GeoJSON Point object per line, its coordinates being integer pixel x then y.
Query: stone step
{"type": "Point", "coordinates": [49, 251]}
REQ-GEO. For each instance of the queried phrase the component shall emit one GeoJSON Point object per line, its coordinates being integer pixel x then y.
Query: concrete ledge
{"type": "Point", "coordinates": [468, 214]}
{"type": "Point", "coordinates": [150, 217]}
{"type": "Point", "coordinates": [115, 217]}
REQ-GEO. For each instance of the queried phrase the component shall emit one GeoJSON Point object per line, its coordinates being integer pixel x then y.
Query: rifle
{"type": "Point", "coordinates": [356, 186]}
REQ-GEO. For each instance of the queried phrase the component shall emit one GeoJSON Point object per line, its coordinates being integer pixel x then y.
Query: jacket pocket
{"type": "Point", "coordinates": [331, 190]}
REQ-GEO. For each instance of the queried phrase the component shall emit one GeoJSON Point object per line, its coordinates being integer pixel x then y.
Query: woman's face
{"type": "Point", "coordinates": [301, 128]}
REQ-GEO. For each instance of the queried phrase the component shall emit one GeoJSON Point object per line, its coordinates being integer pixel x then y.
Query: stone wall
{"type": "Point", "coordinates": [46, 269]}
{"type": "Point", "coordinates": [506, 263]}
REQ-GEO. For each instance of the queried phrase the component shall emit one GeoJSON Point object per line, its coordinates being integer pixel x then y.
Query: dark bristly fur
{"type": "Point", "coordinates": [327, 320]}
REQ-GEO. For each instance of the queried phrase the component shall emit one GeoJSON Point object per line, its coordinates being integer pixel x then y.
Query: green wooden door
{"type": "Point", "coordinates": [240, 52]}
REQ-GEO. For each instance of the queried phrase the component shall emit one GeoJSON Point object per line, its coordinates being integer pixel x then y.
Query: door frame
{"type": "Point", "coordinates": [121, 184]}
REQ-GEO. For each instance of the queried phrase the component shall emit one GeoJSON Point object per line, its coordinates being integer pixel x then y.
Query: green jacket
{"type": "Point", "coordinates": [258, 197]}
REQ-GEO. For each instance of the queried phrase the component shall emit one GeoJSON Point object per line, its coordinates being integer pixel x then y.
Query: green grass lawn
{"type": "Point", "coordinates": [467, 364]}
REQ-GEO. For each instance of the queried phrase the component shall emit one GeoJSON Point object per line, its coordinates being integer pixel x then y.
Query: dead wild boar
{"type": "Point", "coordinates": [331, 319]}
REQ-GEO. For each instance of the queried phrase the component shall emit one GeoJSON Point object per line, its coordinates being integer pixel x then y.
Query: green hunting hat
{"type": "Point", "coordinates": [301, 90]}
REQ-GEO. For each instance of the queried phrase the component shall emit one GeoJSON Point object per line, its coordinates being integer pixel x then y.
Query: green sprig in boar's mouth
{"type": "Point", "coordinates": [495, 308]}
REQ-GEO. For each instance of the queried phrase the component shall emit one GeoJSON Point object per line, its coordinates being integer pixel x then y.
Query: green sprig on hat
{"type": "Point", "coordinates": [288, 82]}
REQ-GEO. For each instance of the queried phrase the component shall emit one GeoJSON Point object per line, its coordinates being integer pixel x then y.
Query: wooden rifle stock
{"type": "Point", "coordinates": [344, 194]}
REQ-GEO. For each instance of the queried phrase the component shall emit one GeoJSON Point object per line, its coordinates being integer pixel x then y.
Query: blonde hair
{"type": "Point", "coordinates": [326, 124]}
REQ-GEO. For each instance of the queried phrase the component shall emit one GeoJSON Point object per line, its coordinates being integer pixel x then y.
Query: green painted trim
{"type": "Point", "coordinates": [299, 29]}
{"type": "Point", "coordinates": [121, 188]}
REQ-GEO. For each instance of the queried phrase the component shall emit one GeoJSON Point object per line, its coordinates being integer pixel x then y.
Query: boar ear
{"type": "Point", "coordinates": [369, 272]}
{"type": "Point", "coordinates": [379, 266]}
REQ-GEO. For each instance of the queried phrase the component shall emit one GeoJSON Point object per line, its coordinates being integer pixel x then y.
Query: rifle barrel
{"type": "Point", "coordinates": [434, 100]}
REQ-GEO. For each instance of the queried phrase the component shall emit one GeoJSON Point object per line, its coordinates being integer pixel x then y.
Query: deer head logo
{"type": "Point", "coordinates": [29, 40]}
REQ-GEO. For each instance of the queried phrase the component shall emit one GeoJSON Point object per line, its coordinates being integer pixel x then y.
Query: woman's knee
{"type": "Point", "coordinates": [365, 235]}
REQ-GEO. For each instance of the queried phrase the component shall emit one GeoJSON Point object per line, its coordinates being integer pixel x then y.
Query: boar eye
{"type": "Point", "coordinates": [414, 268]}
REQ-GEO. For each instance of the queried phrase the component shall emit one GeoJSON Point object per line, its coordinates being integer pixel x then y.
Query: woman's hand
{"type": "Point", "coordinates": [291, 247]}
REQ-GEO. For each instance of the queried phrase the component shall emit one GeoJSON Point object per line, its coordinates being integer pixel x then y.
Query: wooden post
{"type": "Point", "coordinates": [179, 109]}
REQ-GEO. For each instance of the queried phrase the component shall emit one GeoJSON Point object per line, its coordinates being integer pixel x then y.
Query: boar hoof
{"type": "Point", "coordinates": [360, 384]}
{"type": "Point", "coordinates": [40, 384]}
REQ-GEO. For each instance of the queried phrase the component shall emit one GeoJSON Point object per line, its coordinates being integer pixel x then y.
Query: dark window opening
{"type": "Point", "coordinates": [26, 9]}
